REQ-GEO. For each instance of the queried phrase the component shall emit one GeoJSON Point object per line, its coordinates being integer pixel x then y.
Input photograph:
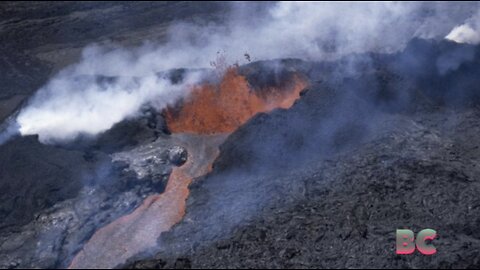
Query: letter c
{"type": "Point", "coordinates": [422, 237]}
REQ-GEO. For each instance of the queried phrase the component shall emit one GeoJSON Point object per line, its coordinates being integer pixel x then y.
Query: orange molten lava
{"type": "Point", "coordinates": [224, 107]}
{"type": "Point", "coordinates": [208, 115]}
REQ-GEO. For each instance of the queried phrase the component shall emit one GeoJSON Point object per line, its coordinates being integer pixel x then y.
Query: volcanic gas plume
{"type": "Point", "coordinates": [200, 124]}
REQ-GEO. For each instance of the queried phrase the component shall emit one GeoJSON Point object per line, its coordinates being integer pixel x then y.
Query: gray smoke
{"type": "Point", "coordinates": [68, 106]}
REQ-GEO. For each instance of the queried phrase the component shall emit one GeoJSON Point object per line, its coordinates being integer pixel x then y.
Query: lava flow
{"type": "Point", "coordinates": [200, 124]}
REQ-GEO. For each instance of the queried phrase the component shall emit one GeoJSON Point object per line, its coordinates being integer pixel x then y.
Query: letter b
{"type": "Point", "coordinates": [405, 242]}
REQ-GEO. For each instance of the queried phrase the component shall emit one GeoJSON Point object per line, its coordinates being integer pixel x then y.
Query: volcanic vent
{"type": "Point", "coordinates": [199, 123]}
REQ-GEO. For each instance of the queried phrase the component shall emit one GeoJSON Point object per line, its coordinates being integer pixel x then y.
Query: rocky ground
{"type": "Point", "coordinates": [342, 212]}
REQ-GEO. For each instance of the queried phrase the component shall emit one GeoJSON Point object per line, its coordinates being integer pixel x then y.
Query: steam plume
{"type": "Point", "coordinates": [69, 106]}
{"type": "Point", "coordinates": [468, 32]}
{"type": "Point", "coordinates": [72, 104]}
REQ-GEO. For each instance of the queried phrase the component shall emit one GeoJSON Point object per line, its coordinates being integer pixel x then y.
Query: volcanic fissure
{"type": "Point", "coordinates": [199, 123]}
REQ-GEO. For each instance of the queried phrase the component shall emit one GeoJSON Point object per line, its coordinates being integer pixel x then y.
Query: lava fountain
{"type": "Point", "coordinates": [200, 123]}
{"type": "Point", "coordinates": [213, 109]}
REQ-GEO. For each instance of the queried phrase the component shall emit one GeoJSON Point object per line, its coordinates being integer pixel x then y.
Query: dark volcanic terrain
{"type": "Point", "coordinates": [341, 212]}
{"type": "Point", "coordinates": [327, 182]}
{"type": "Point", "coordinates": [375, 143]}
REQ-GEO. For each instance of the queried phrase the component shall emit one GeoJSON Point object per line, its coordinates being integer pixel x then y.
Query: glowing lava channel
{"type": "Point", "coordinates": [138, 232]}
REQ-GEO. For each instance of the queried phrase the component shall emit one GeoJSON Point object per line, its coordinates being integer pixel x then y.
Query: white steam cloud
{"type": "Point", "coordinates": [467, 33]}
{"type": "Point", "coordinates": [69, 105]}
